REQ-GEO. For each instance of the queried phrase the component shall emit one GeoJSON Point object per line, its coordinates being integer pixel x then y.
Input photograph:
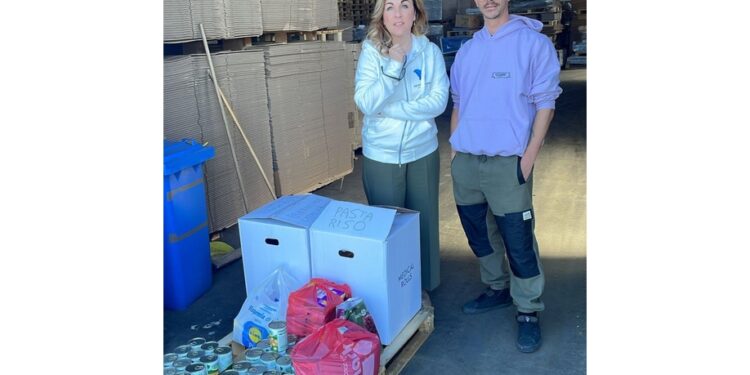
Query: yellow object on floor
{"type": "Point", "coordinates": [219, 248]}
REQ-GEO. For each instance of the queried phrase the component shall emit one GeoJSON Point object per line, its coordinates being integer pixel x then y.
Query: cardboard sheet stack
{"type": "Point", "coordinates": [191, 110]}
{"type": "Point", "coordinates": [355, 120]}
{"type": "Point", "coordinates": [338, 107]}
{"type": "Point", "coordinates": [221, 19]}
{"type": "Point", "coordinates": [178, 22]}
{"type": "Point", "coordinates": [348, 30]}
{"type": "Point", "coordinates": [243, 18]}
{"type": "Point", "coordinates": [309, 109]}
{"type": "Point", "coordinates": [299, 15]}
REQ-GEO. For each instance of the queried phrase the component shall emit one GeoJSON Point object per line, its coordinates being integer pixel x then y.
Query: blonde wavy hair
{"type": "Point", "coordinates": [379, 35]}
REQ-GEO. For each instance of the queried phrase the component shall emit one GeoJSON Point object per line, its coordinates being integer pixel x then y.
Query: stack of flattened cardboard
{"type": "Point", "coordinates": [243, 18]}
{"type": "Point", "coordinates": [221, 19]}
{"type": "Point", "coordinates": [191, 110]}
{"type": "Point", "coordinates": [178, 22]}
{"type": "Point", "coordinates": [309, 114]}
{"type": "Point", "coordinates": [337, 108]}
{"type": "Point", "coordinates": [355, 119]}
{"type": "Point", "coordinates": [299, 15]}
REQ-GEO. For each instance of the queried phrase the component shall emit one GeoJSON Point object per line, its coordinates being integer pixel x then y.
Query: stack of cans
{"type": "Point", "coordinates": [198, 357]}
{"type": "Point", "coordinates": [270, 356]}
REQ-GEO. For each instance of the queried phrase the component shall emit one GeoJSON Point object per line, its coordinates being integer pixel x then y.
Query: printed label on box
{"type": "Point", "coordinates": [406, 275]}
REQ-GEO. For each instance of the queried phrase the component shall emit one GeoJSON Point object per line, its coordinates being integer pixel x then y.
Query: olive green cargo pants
{"type": "Point", "coordinates": [504, 234]}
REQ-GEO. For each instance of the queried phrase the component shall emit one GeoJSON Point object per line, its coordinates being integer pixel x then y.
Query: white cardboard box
{"type": "Point", "coordinates": [375, 251]}
{"type": "Point", "coordinates": [276, 234]}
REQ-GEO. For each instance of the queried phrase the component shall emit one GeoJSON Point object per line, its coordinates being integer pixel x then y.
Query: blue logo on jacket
{"type": "Point", "coordinates": [418, 72]}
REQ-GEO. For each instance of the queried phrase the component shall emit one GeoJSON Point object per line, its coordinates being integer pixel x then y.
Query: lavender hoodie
{"type": "Point", "coordinates": [498, 83]}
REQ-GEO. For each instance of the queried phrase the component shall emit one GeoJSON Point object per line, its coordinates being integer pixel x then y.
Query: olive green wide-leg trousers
{"type": "Point", "coordinates": [414, 186]}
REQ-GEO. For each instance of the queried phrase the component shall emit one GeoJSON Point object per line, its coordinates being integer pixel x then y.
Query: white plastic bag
{"type": "Point", "coordinates": [266, 303]}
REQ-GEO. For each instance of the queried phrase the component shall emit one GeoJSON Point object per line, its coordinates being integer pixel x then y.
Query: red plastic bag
{"type": "Point", "coordinates": [338, 348]}
{"type": "Point", "coordinates": [313, 305]}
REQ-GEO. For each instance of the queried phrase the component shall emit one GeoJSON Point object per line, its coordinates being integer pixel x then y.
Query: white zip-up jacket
{"type": "Point", "coordinates": [399, 123]}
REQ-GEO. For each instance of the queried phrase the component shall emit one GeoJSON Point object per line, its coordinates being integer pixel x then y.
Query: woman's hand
{"type": "Point", "coordinates": [396, 52]}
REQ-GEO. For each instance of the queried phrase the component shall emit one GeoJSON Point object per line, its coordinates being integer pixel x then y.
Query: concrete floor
{"type": "Point", "coordinates": [477, 344]}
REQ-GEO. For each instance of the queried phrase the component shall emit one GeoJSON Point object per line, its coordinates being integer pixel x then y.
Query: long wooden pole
{"type": "Point", "coordinates": [224, 116]}
{"type": "Point", "coordinates": [242, 132]}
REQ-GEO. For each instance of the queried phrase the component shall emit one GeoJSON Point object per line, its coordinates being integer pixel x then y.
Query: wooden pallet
{"type": "Point", "coordinates": [543, 16]}
{"type": "Point", "coordinates": [193, 47]}
{"type": "Point", "coordinates": [330, 34]}
{"type": "Point", "coordinates": [393, 357]}
{"type": "Point", "coordinates": [461, 32]}
{"type": "Point", "coordinates": [552, 9]}
{"type": "Point", "coordinates": [551, 23]}
{"type": "Point", "coordinates": [325, 182]}
{"type": "Point", "coordinates": [284, 36]}
{"type": "Point", "coordinates": [397, 355]}
{"type": "Point", "coordinates": [237, 44]}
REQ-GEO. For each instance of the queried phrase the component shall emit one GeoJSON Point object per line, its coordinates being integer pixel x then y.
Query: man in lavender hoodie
{"type": "Point", "coordinates": [504, 83]}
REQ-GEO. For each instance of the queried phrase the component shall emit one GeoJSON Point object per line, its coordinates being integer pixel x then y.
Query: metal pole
{"type": "Point", "coordinates": [242, 132]}
{"type": "Point", "coordinates": [224, 116]}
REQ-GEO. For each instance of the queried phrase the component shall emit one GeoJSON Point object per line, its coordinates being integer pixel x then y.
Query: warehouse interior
{"type": "Point", "coordinates": [288, 125]}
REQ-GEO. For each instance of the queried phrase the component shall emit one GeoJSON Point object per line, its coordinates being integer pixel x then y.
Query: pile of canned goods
{"type": "Point", "coordinates": [271, 356]}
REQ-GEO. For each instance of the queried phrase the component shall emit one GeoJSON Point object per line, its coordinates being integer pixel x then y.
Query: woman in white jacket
{"type": "Point", "coordinates": [401, 86]}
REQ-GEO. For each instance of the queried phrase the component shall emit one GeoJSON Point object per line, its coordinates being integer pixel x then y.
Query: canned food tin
{"type": "Point", "coordinates": [253, 355]}
{"type": "Point", "coordinates": [211, 361]}
{"type": "Point", "coordinates": [169, 358]}
{"type": "Point", "coordinates": [257, 370]}
{"type": "Point", "coordinates": [291, 339]}
{"type": "Point", "coordinates": [269, 360]}
{"type": "Point", "coordinates": [181, 363]}
{"type": "Point", "coordinates": [209, 347]}
{"type": "Point", "coordinates": [277, 336]}
{"type": "Point", "coordinates": [170, 371]}
{"type": "Point", "coordinates": [182, 350]}
{"type": "Point", "coordinates": [194, 355]}
{"type": "Point", "coordinates": [225, 357]}
{"type": "Point", "coordinates": [242, 367]}
{"type": "Point", "coordinates": [196, 369]}
{"type": "Point", "coordinates": [196, 342]}
{"type": "Point", "coordinates": [284, 363]}
{"type": "Point", "coordinates": [264, 345]}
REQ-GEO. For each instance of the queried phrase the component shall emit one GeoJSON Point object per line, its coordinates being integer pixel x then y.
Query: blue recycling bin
{"type": "Point", "coordinates": [187, 254]}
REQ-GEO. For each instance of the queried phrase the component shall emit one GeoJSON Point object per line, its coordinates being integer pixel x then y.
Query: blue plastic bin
{"type": "Point", "coordinates": [187, 254]}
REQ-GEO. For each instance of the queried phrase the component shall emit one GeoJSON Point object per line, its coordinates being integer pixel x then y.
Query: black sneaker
{"type": "Point", "coordinates": [529, 333]}
{"type": "Point", "coordinates": [489, 300]}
